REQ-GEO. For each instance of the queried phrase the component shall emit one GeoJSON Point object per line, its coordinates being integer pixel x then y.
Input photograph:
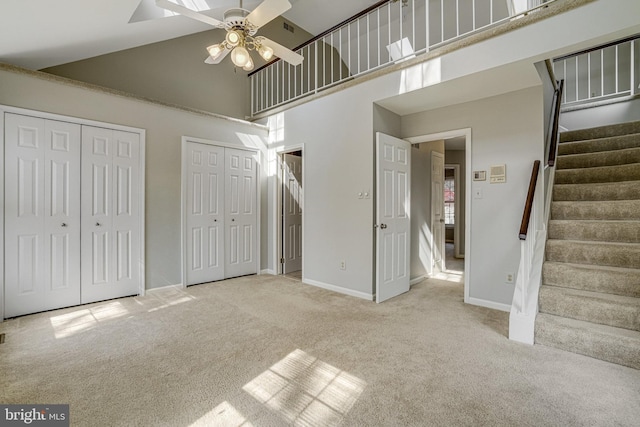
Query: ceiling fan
{"type": "Point", "coordinates": [242, 26]}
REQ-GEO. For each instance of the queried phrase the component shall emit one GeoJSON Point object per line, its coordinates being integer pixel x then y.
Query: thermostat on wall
{"type": "Point", "coordinates": [479, 175]}
{"type": "Point", "coordinates": [498, 174]}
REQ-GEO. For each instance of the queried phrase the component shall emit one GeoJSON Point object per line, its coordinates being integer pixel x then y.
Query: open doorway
{"type": "Point", "coordinates": [291, 213]}
{"type": "Point", "coordinates": [440, 204]}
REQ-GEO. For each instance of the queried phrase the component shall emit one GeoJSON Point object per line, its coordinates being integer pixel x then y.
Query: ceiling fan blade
{"type": "Point", "coordinates": [282, 52]}
{"type": "Point", "coordinates": [174, 7]}
{"type": "Point", "coordinates": [219, 59]}
{"type": "Point", "coordinates": [267, 10]}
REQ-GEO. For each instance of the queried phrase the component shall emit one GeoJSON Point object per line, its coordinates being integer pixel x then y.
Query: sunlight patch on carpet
{"type": "Point", "coordinates": [223, 415]}
{"type": "Point", "coordinates": [306, 391]}
{"type": "Point", "coordinates": [68, 324]}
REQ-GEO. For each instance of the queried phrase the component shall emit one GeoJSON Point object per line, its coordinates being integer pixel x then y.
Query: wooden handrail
{"type": "Point", "coordinates": [553, 143]}
{"type": "Point", "coordinates": [329, 31]}
{"type": "Point", "coordinates": [528, 206]}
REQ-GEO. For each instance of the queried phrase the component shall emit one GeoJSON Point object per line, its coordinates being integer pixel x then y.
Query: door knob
{"type": "Point", "coordinates": [215, 220]}
{"type": "Point", "coordinates": [383, 226]}
{"type": "Point", "coordinates": [442, 220]}
{"type": "Point", "coordinates": [64, 224]}
{"type": "Point", "coordinates": [233, 219]}
{"type": "Point", "coordinates": [98, 224]}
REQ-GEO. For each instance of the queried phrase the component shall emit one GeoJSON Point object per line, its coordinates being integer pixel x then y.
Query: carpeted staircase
{"type": "Point", "coordinates": [590, 295]}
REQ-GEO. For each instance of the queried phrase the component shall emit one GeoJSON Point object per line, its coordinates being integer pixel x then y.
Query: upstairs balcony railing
{"type": "Point", "coordinates": [388, 32]}
{"type": "Point", "coordinates": [602, 73]}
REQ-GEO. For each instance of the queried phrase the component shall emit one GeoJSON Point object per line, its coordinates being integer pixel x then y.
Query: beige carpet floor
{"type": "Point", "coordinates": [270, 351]}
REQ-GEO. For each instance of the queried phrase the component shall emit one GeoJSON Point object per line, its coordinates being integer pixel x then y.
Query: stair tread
{"type": "Point", "coordinates": [596, 243]}
{"type": "Point", "coordinates": [629, 172]}
{"type": "Point", "coordinates": [618, 299]}
{"type": "Point", "coordinates": [596, 221]}
{"type": "Point", "coordinates": [628, 334]}
{"type": "Point", "coordinates": [609, 157]}
{"type": "Point", "coordinates": [597, 267]}
{"type": "Point", "coordinates": [633, 187]}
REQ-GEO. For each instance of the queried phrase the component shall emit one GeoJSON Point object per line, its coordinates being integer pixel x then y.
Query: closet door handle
{"type": "Point", "coordinates": [64, 224]}
{"type": "Point", "coordinates": [233, 219]}
{"type": "Point", "coordinates": [98, 224]}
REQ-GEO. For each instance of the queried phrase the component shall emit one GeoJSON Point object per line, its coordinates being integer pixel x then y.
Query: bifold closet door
{"type": "Point", "coordinates": [241, 216]}
{"type": "Point", "coordinates": [205, 213]}
{"type": "Point", "coordinates": [42, 214]}
{"type": "Point", "coordinates": [110, 245]}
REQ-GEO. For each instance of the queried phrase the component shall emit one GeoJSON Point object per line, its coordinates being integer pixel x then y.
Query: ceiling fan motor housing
{"type": "Point", "coordinates": [234, 19]}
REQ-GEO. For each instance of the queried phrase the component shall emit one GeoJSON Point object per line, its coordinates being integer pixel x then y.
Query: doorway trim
{"type": "Point", "coordinates": [456, 209]}
{"type": "Point", "coordinates": [466, 132]}
{"type": "Point", "coordinates": [183, 198]}
{"type": "Point", "coordinates": [277, 226]}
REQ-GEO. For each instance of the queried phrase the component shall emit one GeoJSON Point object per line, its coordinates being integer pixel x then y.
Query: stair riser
{"type": "Point", "coordinates": [605, 158]}
{"type": "Point", "coordinates": [595, 192]}
{"type": "Point", "coordinates": [595, 175]}
{"type": "Point", "coordinates": [590, 309]}
{"type": "Point", "coordinates": [599, 145]}
{"type": "Point", "coordinates": [623, 351]}
{"type": "Point", "coordinates": [618, 210]}
{"type": "Point", "coordinates": [601, 132]}
{"type": "Point", "coordinates": [624, 232]}
{"type": "Point", "coordinates": [615, 282]}
{"type": "Point", "coordinates": [605, 255]}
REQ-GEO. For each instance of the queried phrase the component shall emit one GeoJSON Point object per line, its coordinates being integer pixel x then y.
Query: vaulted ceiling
{"type": "Point", "coordinates": [37, 34]}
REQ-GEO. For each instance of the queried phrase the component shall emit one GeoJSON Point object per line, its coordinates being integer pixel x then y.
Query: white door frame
{"type": "Point", "coordinates": [141, 194]}
{"type": "Point", "coordinates": [456, 209]}
{"type": "Point", "coordinates": [277, 267]}
{"type": "Point", "coordinates": [183, 197]}
{"type": "Point", "coordinates": [466, 132]}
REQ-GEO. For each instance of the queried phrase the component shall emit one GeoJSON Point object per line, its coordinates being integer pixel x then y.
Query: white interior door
{"type": "Point", "coordinates": [393, 173]}
{"type": "Point", "coordinates": [110, 242]}
{"type": "Point", "coordinates": [241, 216]}
{"type": "Point", "coordinates": [292, 213]}
{"type": "Point", "coordinates": [437, 211]}
{"type": "Point", "coordinates": [205, 213]}
{"type": "Point", "coordinates": [42, 214]}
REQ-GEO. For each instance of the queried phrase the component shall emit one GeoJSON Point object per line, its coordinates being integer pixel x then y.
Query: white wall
{"type": "Point", "coordinates": [506, 129]}
{"type": "Point", "coordinates": [164, 129]}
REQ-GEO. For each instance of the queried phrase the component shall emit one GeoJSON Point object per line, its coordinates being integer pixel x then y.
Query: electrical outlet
{"type": "Point", "coordinates": [343, 265]}
{"type": "Point", "coordinates": [509, 278]}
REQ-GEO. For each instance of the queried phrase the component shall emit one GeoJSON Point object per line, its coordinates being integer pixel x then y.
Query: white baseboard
{"type": "Point", "coordinates": [488, 304]}
{"type": "Point", "coordinates": [339, 289]}
{"type": "Point", "coordinates": [417, 280]}
{"type": "Point", "coordinates": [268, 271]}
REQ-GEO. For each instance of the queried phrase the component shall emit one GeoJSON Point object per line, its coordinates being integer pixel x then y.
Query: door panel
{"type": "Point", "coordinates": [437, 211]}
{"type": "Point", "coordinates": [42, 214]}
{"type": "Point", "coordinates": [111, 214]}
{"type": "Point", "coordinates": [292, 213]}
{"type": "Point", "coordinates": [241, 214]}
{"type": "Point", "coordinates": [204, 218]}
{"type": "Point", "coordinates": [392, 210]}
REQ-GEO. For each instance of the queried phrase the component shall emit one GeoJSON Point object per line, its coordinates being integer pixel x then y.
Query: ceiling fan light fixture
{"type": "Point", "coordinates": [249, 65]}
{"type": "Point", "coordinates": [233, 38]}
{"type": "Point", "coordinates": [215, 50]}
{"type": "Point", "coordinates": [240, 56]}
{"type": "Point", "coordinates": [266, 52]}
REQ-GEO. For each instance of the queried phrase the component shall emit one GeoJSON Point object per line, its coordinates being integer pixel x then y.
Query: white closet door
{"type": "Point", "coordinates": [42, 214]}
{"type": "Point", "coordinates": [205, 213]}
{"type": "Point", "coordinates": [110, 214]}
{"type": "Point", "coordinates": [292, 213]}
{"type": "Point", "coordinates": [241, 215]}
